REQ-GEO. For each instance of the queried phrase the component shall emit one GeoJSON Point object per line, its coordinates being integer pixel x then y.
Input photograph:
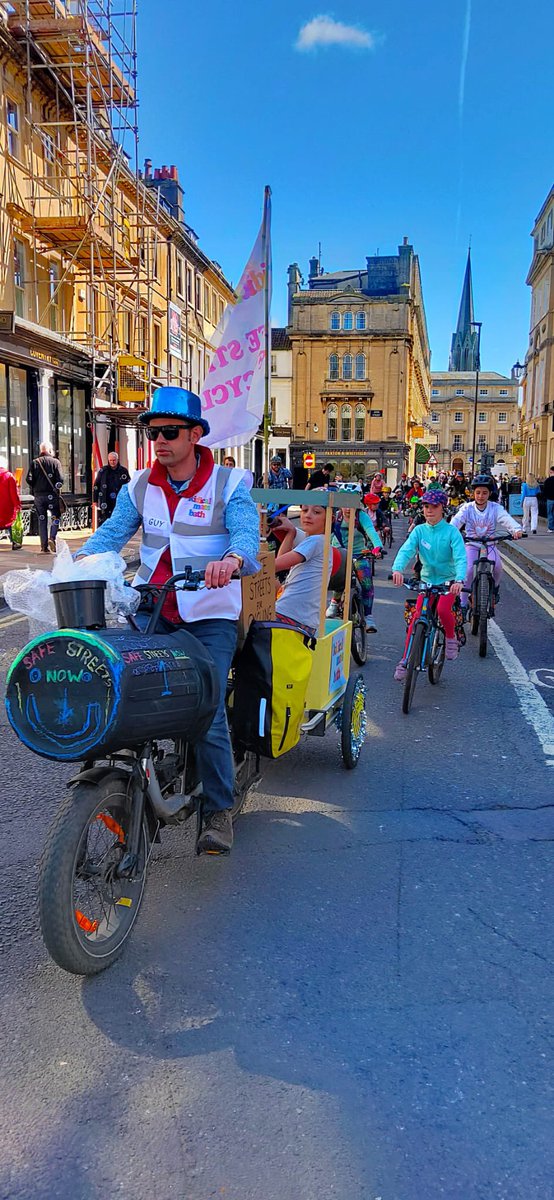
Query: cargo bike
{"type": "Point", "coordinates": [127, 704]}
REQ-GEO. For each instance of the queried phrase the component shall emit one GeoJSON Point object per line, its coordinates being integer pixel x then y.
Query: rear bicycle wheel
{"type": "Point", "coordinates": [412, 667]}
{"type": "Point", "coordinates": [483, 611]}
{"type": "Point", "coordinates": [438, 651]}
{"type": "Point", "coordinates": [353, 722]}
{"type": "Point", "coordinates": [359, 634]}
{"type": "Point", "coordinates": [86, 911]}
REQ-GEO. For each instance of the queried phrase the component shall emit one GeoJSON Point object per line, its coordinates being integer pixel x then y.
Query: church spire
{"type": "Point", "coordinates": [463, 353]}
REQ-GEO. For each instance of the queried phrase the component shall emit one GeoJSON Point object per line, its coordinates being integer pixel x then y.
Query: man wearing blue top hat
{"type": "Point", "coordinates": [192, 512]}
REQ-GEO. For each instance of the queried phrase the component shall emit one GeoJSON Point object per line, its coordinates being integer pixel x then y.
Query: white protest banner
{"type": "Point", "coordinates": [233, 392]}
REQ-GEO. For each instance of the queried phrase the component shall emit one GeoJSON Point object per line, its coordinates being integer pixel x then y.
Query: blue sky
{"type": "Point", "coordinates": [370, 121]}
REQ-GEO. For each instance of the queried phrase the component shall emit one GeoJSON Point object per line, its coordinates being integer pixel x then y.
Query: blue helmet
{"type": "Point", "coordinates": [175, 402]}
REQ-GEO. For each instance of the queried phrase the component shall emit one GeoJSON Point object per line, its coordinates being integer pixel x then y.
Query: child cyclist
{"type": "Point", "coordinates": [483, 517]}
{"type": "Point", "coordinates": [440, 547]}
{"type": "Point", "coordinates": [366, 541]}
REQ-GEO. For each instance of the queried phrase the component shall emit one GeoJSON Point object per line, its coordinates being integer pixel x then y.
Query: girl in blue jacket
{"type": "Point", "coordinates": [442, 553]}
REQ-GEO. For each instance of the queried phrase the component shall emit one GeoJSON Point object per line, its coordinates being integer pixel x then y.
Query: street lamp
{"type": "Point", "coordinates": [476, 325]}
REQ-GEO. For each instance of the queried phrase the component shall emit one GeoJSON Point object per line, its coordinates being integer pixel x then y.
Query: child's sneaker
{"type": "Point", "coordinates": [334, 609]}
{"type": "Point", "coordinates": [451, 649]}
{"type": "Point", "coordinates": [400, 671]}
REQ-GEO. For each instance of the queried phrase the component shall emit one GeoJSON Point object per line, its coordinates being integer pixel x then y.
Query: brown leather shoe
{"type": "Point", "coordinates": [217, 834]}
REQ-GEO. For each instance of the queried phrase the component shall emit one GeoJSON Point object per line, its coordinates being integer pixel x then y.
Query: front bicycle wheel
{"type": "Point", "coordinates": [359, 634]}
{"type": "Point", "coordinates": [86, 911]}
{"type": "Point", "coordinates": [413, 667]}
{"type": "Point", "coordinates": [483, 610]}
{"type": "Point", "coordinates": [436, 660]}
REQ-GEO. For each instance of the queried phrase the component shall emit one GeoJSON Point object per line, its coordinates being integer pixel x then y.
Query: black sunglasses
{"type": "Point", "coordinates": [169, 432]}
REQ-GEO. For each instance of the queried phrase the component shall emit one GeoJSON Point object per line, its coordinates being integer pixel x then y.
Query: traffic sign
{"type": "Point", "coordinates": [518, 449]}
{"type": "Point", "coordinates": [432, 461]}
{"type": "Point", "coordinates": [309, 461]}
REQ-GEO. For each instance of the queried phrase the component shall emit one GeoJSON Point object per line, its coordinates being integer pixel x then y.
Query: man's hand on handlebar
{"type": "Point", "coordinates": [397, 578]}
{"type": "Point", "coordinates": [456, 588]}
{"type": "Point", "coordinates": [219, 574]}
{"type": "Point", "coordinates": [517, 534]}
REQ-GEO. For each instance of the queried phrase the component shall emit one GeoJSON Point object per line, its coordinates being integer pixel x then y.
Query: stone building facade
{"type": "Point", "coordinates": [360, 365]}
{"type": "Point", "coordinates": [538, 380]}
{"type": "Point", "coordinates": [452, 419]}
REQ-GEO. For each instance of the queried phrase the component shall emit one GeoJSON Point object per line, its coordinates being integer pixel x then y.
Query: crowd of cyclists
{"type": "Point", "coordinates": [444, 514]}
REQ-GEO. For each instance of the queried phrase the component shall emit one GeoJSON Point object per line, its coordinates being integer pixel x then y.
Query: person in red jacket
{"type": "Point", "coordinates": [10, 504]}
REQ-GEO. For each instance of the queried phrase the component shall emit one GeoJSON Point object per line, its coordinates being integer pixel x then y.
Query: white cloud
{"type": "Point", "coordinates": [325, 31]}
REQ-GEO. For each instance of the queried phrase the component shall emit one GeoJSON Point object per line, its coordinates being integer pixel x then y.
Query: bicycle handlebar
{"type": "Point", "coordinates": [488, 539]}
{"type": "Point", "coordinates": [441, 589]}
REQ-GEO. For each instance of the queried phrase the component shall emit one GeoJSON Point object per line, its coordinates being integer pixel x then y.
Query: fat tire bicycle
{"type": "Point", "coordinates": [427, 645]}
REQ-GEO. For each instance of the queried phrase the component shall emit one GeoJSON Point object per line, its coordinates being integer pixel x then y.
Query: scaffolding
{"type": "Point", "coordinates": [86, 204]}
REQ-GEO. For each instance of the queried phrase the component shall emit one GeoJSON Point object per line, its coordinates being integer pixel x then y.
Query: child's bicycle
{"type": "Point", "coordinates": [483, 594]}
{"type": "Point", "coordinates": [427, 645]}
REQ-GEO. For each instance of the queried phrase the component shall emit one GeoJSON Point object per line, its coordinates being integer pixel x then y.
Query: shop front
{"type": "Point", "coordinates": [353, 462]}
{"type": "Point", "coordinates": [44, 397]}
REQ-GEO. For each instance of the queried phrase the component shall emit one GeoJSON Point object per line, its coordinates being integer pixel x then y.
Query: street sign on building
{"type": "Point", "coordinates": [518, 449]}
{"type": "Point", "coordinates": [418, 431]}
{"type": "Point", "coordinates": [309, 460]}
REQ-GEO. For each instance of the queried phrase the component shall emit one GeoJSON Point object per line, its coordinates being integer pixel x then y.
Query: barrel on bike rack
{"type": "Point", "coordinates": [72, 694]}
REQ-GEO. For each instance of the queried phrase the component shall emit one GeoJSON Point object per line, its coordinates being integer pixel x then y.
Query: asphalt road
{"type": "Point", "coordinates": [356, 1005]}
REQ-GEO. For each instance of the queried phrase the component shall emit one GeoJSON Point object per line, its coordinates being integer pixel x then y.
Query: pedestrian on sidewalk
{"type": "Point", "coordinates": [548, 493]}
{"type": "Point", "coordinates": [45, 479]}
{"type": "Point", "coordinates": [530, 492]}
{"type": "Point", "coordinates": [10, 504]}
{"type": "Point", "coordinates": [107, 486]}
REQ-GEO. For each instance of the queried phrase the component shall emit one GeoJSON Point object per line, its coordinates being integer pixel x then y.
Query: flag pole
{"type": "Point", "coordinates": [267, 333]}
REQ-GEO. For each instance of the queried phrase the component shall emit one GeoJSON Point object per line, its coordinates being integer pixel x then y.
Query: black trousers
{"type": "Point", "coordinates": [45, 504]}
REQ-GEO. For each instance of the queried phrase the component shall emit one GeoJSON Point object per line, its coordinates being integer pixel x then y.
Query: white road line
{"type": "Point", "coordinates": [532, 705]}
{"type": "Point", "coordinates": [533, 589]}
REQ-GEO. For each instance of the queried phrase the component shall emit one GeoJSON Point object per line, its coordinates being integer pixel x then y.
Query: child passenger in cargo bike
{"type": "Point", "coordinates": [301, 553]}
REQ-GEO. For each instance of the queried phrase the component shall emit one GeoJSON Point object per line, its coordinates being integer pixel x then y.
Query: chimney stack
{"type": "Point", "coordinates": [148, 168]}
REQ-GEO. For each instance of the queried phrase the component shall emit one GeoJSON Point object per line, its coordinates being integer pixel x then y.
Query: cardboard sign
{"type": "Point", "coordinates": [258, 594]}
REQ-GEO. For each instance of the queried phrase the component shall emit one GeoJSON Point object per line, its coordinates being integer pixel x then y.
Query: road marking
{"type": "Point", "coordinates": [534, 676]}
{"type": "Point", "coordinates": [532, 705]}
{"type": "Point", "coordinates": [533, 589]}
{"type": "Point", "coordinates": [5, 622]}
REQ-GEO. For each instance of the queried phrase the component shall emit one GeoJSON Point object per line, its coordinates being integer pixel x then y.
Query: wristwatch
{"type": "Point", "coordinates": [238, 557]}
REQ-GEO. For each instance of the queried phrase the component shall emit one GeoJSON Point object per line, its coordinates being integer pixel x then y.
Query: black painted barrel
{"type": "Point", "coordinates": [72, 694]}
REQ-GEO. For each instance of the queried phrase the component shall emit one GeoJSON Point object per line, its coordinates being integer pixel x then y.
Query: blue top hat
{"type": "Point", "coordinates": [176, 402]}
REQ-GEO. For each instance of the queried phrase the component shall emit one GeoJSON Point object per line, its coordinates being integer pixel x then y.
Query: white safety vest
{"type": "Point", "coordinates": [195, 536]}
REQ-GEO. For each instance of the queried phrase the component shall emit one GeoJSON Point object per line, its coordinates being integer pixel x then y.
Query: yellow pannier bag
{"type": "Point", "coordinates": [271, 681]}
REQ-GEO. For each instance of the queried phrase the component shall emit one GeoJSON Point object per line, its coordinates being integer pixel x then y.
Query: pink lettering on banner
{"type": "Point", "coordinates": [231, 389]}
{"type": "Point", "coordinates": [254, 338]}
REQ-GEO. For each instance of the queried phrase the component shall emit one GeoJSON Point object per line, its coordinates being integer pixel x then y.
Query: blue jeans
{"type": "Point", "coordinates": [550, 514]}
{"type": "Point", "coordinates": [214, 756]}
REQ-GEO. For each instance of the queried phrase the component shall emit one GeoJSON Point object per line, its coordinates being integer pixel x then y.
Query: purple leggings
{"type": "Point", "coordinates": [472, 553]}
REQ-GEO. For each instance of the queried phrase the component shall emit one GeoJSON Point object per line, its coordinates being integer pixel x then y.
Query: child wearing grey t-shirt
{"type": "Point", "coordinates": [301, 553]}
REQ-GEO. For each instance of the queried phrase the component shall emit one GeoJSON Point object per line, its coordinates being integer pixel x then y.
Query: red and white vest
{"type": "Point", "coordinates": [195, 536]}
